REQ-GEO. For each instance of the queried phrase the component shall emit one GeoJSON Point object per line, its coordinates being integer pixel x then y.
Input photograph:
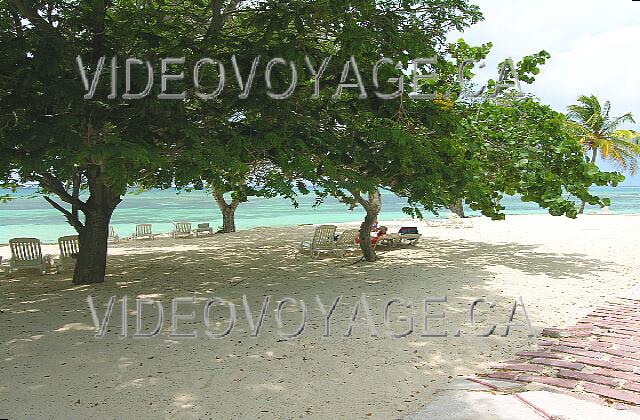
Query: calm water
{"type": "Point", "coordinates": [31, 216]}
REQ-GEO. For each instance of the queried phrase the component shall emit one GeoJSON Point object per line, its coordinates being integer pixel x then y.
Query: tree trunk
{"type": "Point", "coordinates": [368, 251]}
{"type": "Point", "coordinates": [372, 207]}
{"type": "Point", "coordinates": [228, 210]}
{"type": "Point", "coordinates": [228, 219]}
{"type": "Point", "coordinates": [582, 206]}
{"type": "Point", "coordinates": [91, 261]}
{"type": "Point", "coordinates": [457, 208]}
{"type": "Point", "coordinates": [594, 157]}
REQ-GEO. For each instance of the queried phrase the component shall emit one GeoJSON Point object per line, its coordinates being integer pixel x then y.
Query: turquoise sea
{"type": "Point", "coordinates": [29, 215]}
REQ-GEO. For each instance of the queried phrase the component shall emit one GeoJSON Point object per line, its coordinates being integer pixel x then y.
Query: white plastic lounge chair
{"type": "Point", "coordinates": [605, 211]}
{"type": "Point", "coordinates": [204, 228]}
{"type": "Point", "coordinates": [182, 230]}
{"type": "Point", "coordinates": [390, 239]}
{"type": "Point", "coordinates": [143, 231]}
{"type": "Point", "coordinates": [435, 222]}
{"type": "Point", "coordinates": [26, 253]}
{"type": "Point", "coordinates": [69, 248]}
{"type": "Point", "coordinates": [410, 238]}
{"type": "Point", "coordinates": [458, 222]}
{"type": "Point", "coordinates": [407, 235]}
{"type": "Point", "coordinates": [113, 237]}
{"type": "Point", "coordinates": [455, 221]}
{"type": "Point", "coordinates": [347, 242]}
{"type": "Point", "coordinates": [323, 241]}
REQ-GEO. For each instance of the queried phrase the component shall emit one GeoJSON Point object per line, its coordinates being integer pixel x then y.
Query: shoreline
{"type": "Point", "coordinates": [386, 222]}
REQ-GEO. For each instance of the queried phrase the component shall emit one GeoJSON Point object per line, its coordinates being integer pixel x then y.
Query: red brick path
{"type": "Point", "coordinates": [598, 359]}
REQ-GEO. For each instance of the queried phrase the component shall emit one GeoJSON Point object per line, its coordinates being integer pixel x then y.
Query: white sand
{"type": "Point", "coordinates": [52, 366]}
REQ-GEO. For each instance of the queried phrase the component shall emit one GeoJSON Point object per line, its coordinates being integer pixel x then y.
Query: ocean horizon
{"type": "Point", "coordinates": [29, 215]}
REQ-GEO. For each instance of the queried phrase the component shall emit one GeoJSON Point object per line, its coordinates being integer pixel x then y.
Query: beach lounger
{"type": "Point", "coordinates": [347, 242]}
{"type": "Point", "coordinates": [409, 234]}
{"type": "Point", "coordinates": [390, 239]}
{"type": "Point", "coordinates": [26, 253]}
{"type": "Point", "coordinates": [69, 248]}
{"type": "Point", "coordinates": [182, 230]}
{"type": "Point", "coordinates": [204, 228]}
{"type": "Point", "coordinates": [458, 222]}
{"type": "Point", "coordinates": [410, 238]}
{"type": "Point", "coordinates": [113, 237]}
{"type": "Point", "coordinates": [323, 241]}
{"type": "Point", "coordinates": [143, 231]}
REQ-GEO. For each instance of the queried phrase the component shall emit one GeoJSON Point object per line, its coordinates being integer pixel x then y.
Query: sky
{"type": "Point", "coordinates": [593, 46]}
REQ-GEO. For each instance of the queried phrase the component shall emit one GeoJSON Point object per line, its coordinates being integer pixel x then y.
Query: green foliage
{"type": "Point", "coordinates": [523, 147]}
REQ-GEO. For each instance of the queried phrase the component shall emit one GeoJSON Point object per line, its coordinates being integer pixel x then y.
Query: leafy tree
{"type": "Point", "coordinates": [240, 136]}
{"type": "Point", "coordinates": [85, 153]}
{"type": "Point", "coordinates": [524, 148]}
{"type": "Point", "coordinates": [600, 133]}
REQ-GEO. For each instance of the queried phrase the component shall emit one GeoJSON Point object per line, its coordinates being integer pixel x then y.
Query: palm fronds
{"type": "Point", "coordinates": [600, 134]}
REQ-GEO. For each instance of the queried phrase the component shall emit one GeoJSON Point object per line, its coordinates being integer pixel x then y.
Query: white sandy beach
{"type": "Point", "coordinates": [53, 366]}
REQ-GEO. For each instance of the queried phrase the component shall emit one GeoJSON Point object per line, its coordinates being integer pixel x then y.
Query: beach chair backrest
{"type": "Point", "coordinates": [203, 226]}
{"type": "Point", "coordinates": [69, 246]}
{"type": "Point", "coordinates": [183, 227]}
{"type": "Point", "coordinates": [348, 238]}
{"type": "Point", "coordinates": [144, 229]}
{"type": "Point", "coordinates": [25, 250]}
{"type": "Point", "coordinates": [324, 236]}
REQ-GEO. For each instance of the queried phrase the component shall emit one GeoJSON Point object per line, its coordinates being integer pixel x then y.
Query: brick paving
{"type": "Point", "coordinates": [598, 359]}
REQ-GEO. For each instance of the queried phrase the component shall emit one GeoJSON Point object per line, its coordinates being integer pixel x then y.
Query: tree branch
{"type": "Point", "coordinates": [219, 197]}
{"type": "Point", "coordinates": [27, 9]}
{"type": "Point", "coordinates": [358, 197]}
{"type": "Point", "coordinates": [77, 180]}
{"type": "Point", "coordinates": [73, 221]}
{"type": "Point", "coordinates": [220, 13]}
{"type": "Point", "coordinates": [56, 186]}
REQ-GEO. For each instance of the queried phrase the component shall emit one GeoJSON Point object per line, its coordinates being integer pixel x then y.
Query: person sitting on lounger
{"type": "Point", "coordinates": [375, 237]}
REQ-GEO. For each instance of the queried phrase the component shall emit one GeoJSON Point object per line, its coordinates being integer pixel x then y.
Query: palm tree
{"type": "Point", "coordinates": [599, 132]}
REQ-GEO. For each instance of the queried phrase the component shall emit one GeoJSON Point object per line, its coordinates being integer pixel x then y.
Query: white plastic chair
{"type": "Point", "coordinates": [203, 228]}
{"type": "Point", "coordinates": [182, 230]}
{"type": "Point", "coordinates": [113, 237]}
{"type": "Point", "coordinates": [143, 231]}
{"type": "Point", "coordinates": [347, 242]}
{"type": "Point", "coordinates": [69, 248]}
{"type": "Point", "coordinates": [26, 253]}
{"type": "Point", "coordinates": [458, 222]}
{"type": "Point", "coordinates": [323, 241]}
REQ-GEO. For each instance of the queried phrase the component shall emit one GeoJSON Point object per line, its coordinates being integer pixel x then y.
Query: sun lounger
{"type": "Point", "coordinates": [69, 248]}
{"type": "Point", "coordinates": [458, 222]}
{"type": "Point", "coordinates": [182, 230]}
{"type": "Point", "coordinates": [408, 234]}
{"type": "Point", "coordinates": [410, 238]}
{"type": "Point", "coordinates": [323, 241]}
{"type": "Point", "coordinates": [113, 237]}
{"type": "Point", "coordinates": [390, 239]}
{"type": "Point", "coordinates": [204, 228]}
{"type": "Point", "coordinates": [143, 231]}
{"type": "Point", "coordinates": [26, 253]}
{"type": "Point", "coordinates": [435, 222]}
{"type": "Point", "coordinates": [347, 242]}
